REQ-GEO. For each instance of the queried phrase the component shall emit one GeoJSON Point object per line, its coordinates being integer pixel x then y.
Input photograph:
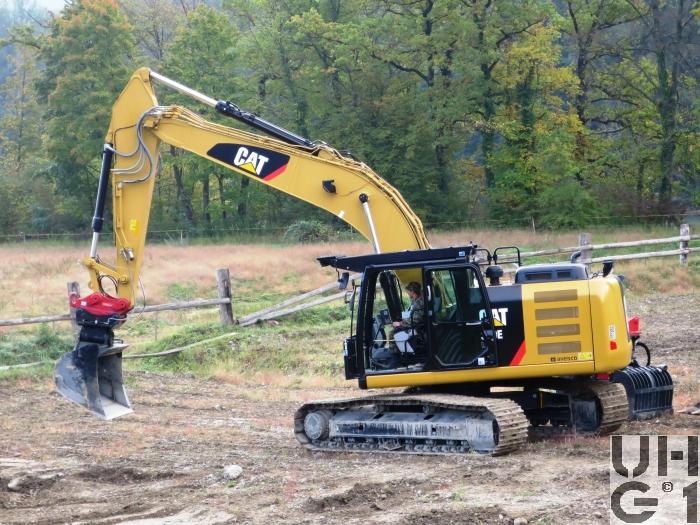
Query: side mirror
{"type": "Point", "coordinates": [343, 280]}
{"type": "Point", "coordinates": [350, 298]}
{"type": "Point", "coordinates": [607, 267]}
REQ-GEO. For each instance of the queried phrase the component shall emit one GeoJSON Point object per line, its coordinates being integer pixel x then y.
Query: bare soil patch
{"type": "Point", "coordinates": [164, 463]}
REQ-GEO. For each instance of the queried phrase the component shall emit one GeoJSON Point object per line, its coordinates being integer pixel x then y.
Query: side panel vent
{"type": "Point", "coordinates": [558, 324]}
{"type": "Point", "coordinates": [554, 296]}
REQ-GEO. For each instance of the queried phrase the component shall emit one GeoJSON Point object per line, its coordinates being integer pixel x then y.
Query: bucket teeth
{"type": "Point", "coordinates": [91, 376]}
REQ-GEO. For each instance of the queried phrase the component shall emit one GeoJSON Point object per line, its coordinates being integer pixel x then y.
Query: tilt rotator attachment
{"type": "Point", "coordinates": [91, 375]}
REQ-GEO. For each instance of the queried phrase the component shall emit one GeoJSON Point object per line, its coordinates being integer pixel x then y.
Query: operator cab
{"type": "Point", "coordinates": [453, 328]}
{"type": "Point", "coordinates": [391, 346]}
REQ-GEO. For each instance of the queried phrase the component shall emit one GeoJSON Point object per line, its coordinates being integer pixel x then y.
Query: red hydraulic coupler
{"type": "Point", "coordinates": [100, 304]}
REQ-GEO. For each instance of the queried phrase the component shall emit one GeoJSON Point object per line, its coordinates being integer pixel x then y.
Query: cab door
{"type": "Point", "coordinates": [459, 317]}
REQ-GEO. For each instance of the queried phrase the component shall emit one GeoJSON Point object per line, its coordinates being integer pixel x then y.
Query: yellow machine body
{"type": "Point", "coordinates": [569, 328]}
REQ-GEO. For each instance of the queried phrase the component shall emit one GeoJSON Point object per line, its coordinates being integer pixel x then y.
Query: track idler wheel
{"type": "Point", "coordinates": [317, 424]}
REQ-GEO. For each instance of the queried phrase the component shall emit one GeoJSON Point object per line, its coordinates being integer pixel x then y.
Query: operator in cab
{"type": "Point", "coordinates": [416, 311]}
{"type": "Point", "coordinates": [412, 320]}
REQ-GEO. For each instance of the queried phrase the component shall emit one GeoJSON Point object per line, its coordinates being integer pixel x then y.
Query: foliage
{"type": "Point", "coordinates": [566, 206]}
{"type": "Point", "coordinates": [499, 110]}
{"type": "Point", "coordinates": [307, 231]}
{"type": "Point", "coordinates": [85, 63]}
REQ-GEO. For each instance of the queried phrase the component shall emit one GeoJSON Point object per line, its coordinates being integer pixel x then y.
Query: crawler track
{"type": "Point", "coordinates": [509, 428]}
{"type": "Point", "coordinates": [509, 424]}
{"type": "Point", "coordinates": [613, 404]}
{"type": "Point", "coordinates": [611, 398]}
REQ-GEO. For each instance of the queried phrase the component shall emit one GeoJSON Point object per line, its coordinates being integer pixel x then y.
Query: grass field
{"type": "Point", "coordinates": [306, 344]}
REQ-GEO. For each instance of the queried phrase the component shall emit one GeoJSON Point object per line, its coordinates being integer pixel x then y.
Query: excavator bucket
{"type": "Point", "coordinates": [91, 376]}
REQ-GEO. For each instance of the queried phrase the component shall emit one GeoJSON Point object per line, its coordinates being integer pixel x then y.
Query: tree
{"type": "Point", "coordinates": [154, 23]}
{"type": "Point", "coordinates": [87, 60]}
{"type": "Point", "coordinates": [538, 129]}
{"type": "Point", "coordinates": [209, 65]}
{"type": "Point", "coordinates": [20, 142]}
{"type": "Point", "coordinates": [493, 28]}
{"type": "Point", "coordinates": [648, 89]}
{"type": "Point", "coordinates": [383, 73]}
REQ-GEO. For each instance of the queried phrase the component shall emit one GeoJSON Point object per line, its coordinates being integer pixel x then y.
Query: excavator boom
{"type": "Point", "coordinates": [314, 172]}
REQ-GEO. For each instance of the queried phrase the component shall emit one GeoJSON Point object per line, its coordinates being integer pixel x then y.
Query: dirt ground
{"type": "Point", "coordinates": [164, 464]}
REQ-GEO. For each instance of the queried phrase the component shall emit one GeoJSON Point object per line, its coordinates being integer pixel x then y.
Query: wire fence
{"type": "Point", "coordinates": [183, 235]}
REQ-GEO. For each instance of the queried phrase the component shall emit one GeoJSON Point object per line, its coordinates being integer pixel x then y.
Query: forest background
{"type": "Point", "coordinates": [542, 113]}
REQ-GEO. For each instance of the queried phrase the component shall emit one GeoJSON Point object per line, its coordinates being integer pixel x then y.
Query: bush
{"type": "Point", "coordinates": [43, 344]}
{"type": "Point", "coordinates": [566, 206]}
{"type": "Point", "coordinates": [308, 231]}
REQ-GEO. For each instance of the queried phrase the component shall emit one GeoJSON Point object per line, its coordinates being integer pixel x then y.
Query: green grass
{"type": "Point", "coordinates": [45, 344]}
{"type": "Point", "coordinates": [307, 343]}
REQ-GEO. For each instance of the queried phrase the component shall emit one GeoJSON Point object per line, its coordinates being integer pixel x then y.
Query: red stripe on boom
{"type": "Point", "coordinates": [274, 174]}
{"type": "Point", "coordinates": [518, 355]}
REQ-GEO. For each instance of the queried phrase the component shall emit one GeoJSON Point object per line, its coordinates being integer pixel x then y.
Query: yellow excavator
{"type": "Point", "coordinates": [480, 362]}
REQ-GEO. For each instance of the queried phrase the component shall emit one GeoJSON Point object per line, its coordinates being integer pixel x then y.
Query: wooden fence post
{"type": "Point", "coordinates": [584, 239]}
{"type": "Point", "coordinates": [73, 287]}
{"type": "Point", "coordinates": [685, 232]}
{"type": "Point", "coordinates": [223, 283]}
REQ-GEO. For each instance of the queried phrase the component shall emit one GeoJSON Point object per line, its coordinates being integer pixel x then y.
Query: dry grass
{"type": "Point", "coordinates": [34, 276]}
{"type": "Point", "coordinates": [659, 275]}
{"type": "Point", "coordinates": [687, 387]}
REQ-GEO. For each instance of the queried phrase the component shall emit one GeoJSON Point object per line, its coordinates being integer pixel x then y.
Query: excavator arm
{"type": "Point", "coordinates": [313, 172]}
{"type": "Point", "coordinates": [91, 375]}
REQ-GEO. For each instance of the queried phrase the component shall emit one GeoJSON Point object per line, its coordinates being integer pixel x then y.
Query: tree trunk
{"type": "Point", "coordinates": [667, 102]}
{"type": "Point", "coordinates": [581, 103]}
{"type": "Point", "coordinates": [243, 199]}
{"type": "Point", "coordinates": [297, 97]}
{"type": "Point", "coordinates": [488, 136]}
{"type": "Point", "coordinates": [205, 200]}
{"type": "Point", "coordinates": [443, 175]}
{"type": "Point", "coordinates": [20, 130]}
{"type": "Point", "coordinates": [222, 199]}
{"type": "Point", "coordinates": [182, 196]}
